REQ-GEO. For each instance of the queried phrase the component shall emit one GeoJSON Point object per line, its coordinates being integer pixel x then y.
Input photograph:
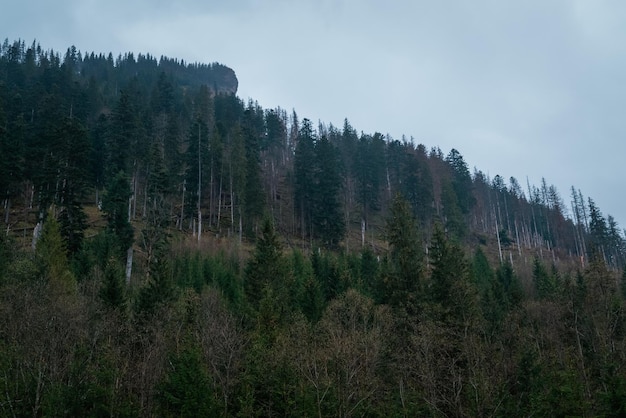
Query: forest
{"type": "Point", "coordinates": [168, 249]}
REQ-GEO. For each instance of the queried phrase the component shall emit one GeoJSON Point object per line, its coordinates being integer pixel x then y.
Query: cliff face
{"type": "Point", "coordinates": [226, 81]}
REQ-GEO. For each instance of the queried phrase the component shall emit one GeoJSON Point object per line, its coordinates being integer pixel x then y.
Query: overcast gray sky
{"type": "Point", "coordinates": [521, 88]}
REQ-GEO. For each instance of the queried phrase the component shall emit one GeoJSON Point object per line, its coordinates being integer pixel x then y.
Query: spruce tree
{"type": "Point", "coordinates": [304, 175]}
{"type": "Point", "coordinates": [115, 206]}
{"type": "Point", "coordinates": [112, 292]}
{"type": "Point", "coordinates": [404, 282]}
{"type": "Point", "coordinates": [254, 197]}
{"type": "Point", "coordinates": [267, 265]}
{"type": "Point", "coordinates": [52, 253]}
{"type": "Point", "coordinates": [328, 221]}
{"type": "Point", "coordinates": [452, 294]}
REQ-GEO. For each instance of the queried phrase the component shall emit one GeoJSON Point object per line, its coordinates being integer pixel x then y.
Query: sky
{"type": "Point", "coordinates": [528, 89]}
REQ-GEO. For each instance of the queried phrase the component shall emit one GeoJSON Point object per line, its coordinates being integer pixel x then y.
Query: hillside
{"type": "Point", "coordinates": [171, 250]}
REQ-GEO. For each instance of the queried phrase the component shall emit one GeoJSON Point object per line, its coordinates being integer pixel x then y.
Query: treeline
{"type": "Point", "coordinates": [209, 162]}
{"type": "Point", "coordinates": [385, 277]}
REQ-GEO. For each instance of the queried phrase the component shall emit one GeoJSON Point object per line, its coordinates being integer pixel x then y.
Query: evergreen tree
{"type": "Point", "coordinates": [186, 389]}
{"type": "Point", "coordinates": [369, 166]}
{"type": "Point", "coordinates": [453, 215]}
{"type": "Point", "coordinates": [266, 267]}
{"type": "Point", "coordinates": [545, 286]}
{"type": "Point", "coordinates": [328, 221]}
{"type": "Point", "coordinates": [53, 255]}
{"type": "Point", "coordinates": [311, 296]}
{"type": "Point", "coordinates": [112, 291]}
{"type": "Point", "coordinates": [72, 176]}
{"type": "Point", "coordinates": [254, 200]}
{"type": "Point", "coordinates": [305, 175]}
{"type": "Point", "coordinates": [369, 272]}
{"type": "Point", "coordinates": [510, 284]}
{"type": "Point", "coordinates": [452, 294]}
{"type": "Point", "coordinates": [461, 181]}
{"type": "Point", "coordinates": [197, 159]}
{"type": "Point", "coordinates": [123, 131]}
{"type": "Point", "coordinates": [159, 289]}
{"type": "Point", "coordinates": [403, 282]}
{"type": "Point", "coordinates": [13, 131]}
{"type": "Point", "coordinates": [417, 184]}
{"type": "Point", "coordinates": [115, 206]}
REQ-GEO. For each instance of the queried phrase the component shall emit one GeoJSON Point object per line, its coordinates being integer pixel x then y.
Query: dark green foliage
{"type": "Point", "coordinates": [545, 285]}
{"type": "Point", "coordinates": [369, 272]}
{"type": "Point", "coordinates": [254, 198]}
{"type": "Point", "coordinates": [511, 286]}
{"type": "Point", "coordinates": [186, 388]}
{"type": "Point", "coordinates": [450, 290]}
{"type": "Point", "coordinates": [73, 222]}
{"type": "Point", "coordinates": [113, 290]}
{"type": "Point", "coordinates": [453, 215]}
{"type": "Point", "coordinates": [622, 284]}
{"type": "Point", "coordinates": [403, 283]}
{"type": "Point", "coordinates": [159, 289]}
{"type": "Point", "coordinates": [328, 220]}
{"type": "Point", "coordinates": [482, 274]}
{"type": "Point", "coordinates": [461, 181]}
{"type": "Point", "coordinates": [95, 254]}
{"type": "Point", "coordinates": [614, 399]}
{"type": "Point", "coordinates": [208, 327]}
{"type": "Point", "coordinates": [417, 186]}
{"type": "Point", "coordinates": [332, 274]}
{"type": "Point", "coordinates": [122, 136]}
{"type": "Point", "coordinates": [115, 205]}
{"type": "Point", "coordinates": [89, 391]}
{"type": "Point", "coordinates": [267, 268]}
{"type": "Point", "coordinates": [197, 163]}
{"type": "Point", "coordinates": [156, 245]}
{"type": "Point", "coordinates": [6, 255]}
{"type": "Point", "coordinates": [598, 230]}
{"type": "Point", "coordinates": [304, 176]}
{"type": "Point", "coordinates": [311, 298]}
{"type": "Point", "coordinates": [198, 270]}
{"type": "Point", "coordinates": [490, 289]}
{"type": "Point", "coordinates": [369, 165]}
{"type": "Point", "coordinates": [52, 253]}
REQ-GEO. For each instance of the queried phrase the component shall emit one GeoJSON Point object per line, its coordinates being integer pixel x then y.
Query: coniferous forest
{"type": "Point", "coordinates": [170, 250]}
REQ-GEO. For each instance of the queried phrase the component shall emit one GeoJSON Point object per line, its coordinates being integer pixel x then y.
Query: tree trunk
{"type": "Point", "coordinates": [182, 206]}
{"type": "Point", "coordinates": [129, 264]}
{"type": "Point", "coordinates": [7, 210]}
{"type": "Point", "coordinates": [199, 186]}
